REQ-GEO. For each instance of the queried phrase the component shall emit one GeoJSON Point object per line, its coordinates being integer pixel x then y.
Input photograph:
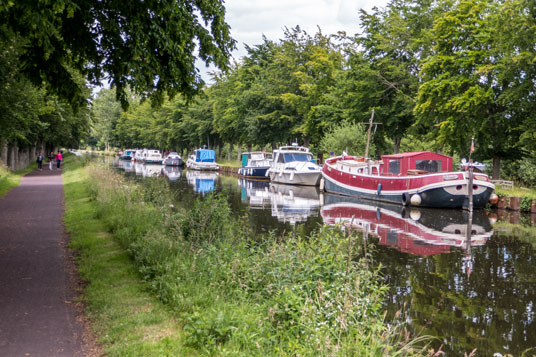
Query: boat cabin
{"type": "Point", "coordinates": [292, 153]}
{"type": "Point", "coordinates": [256, 159]}
{"type": "Point", "coordinates": [204, 155]}
{"type": "Point", "coordinates": [415, 163]}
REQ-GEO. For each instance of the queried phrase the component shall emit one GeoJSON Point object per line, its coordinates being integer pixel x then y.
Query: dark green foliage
{"type": "Point", "coordinates": [150, 45]}
{"type": "Point", "coordinates": [526, 204]}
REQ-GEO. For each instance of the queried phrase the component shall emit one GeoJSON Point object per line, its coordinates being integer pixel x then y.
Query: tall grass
{"type": "Point", "coordinates": [237, 295]}
{"type": "Point", "coordinates": [10, 179]}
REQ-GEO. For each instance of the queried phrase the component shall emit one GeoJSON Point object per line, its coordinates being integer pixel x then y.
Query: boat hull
{"type": "Point", "coordinates": [203, 166]}
{"type": "Point", "coordinates": [292, 178]}
{"type": "Point", "coordinates": [173, 162]}
{"type": "Point", "coordinates": [253, 172]}
{"type": "Point", "coordinates": [439, 190]}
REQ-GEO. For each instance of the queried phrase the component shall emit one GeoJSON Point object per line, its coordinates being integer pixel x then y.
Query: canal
{"type": "Point", "coordinates": [467, 280]}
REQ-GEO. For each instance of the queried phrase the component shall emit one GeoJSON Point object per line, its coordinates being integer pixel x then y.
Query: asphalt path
{"type": "Point", "coordinates": [39, 315]}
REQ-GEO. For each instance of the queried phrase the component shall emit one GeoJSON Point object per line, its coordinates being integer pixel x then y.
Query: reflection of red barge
{"type": "Point", "coordinates": [417, 231]}
{"type": "Point", "coordinates": [421, 179]}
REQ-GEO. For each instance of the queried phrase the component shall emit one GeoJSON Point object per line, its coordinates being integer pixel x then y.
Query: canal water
{"type": "Point", "coordinates": [468, 280]}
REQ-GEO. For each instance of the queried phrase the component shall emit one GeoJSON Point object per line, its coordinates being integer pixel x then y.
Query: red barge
{"type": "Point", "coordinates": [420, 179]}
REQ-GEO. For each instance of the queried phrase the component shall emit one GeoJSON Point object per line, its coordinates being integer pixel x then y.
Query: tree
{"type": "Point", "coordinates": [384, 68]}
{"type": "Point", "coordinates": [348, 137]}
{"type": "Point", "coordinates": [462, 90]}
{"type": "Point", "coordinates": [149, 45]}
{"type": "Point", "coordinates": [106, 112]}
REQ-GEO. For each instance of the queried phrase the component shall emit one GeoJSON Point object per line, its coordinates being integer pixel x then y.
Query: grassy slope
{"type": "Point", "coordinates": [9, 179]}
{"type": "Point", "coordinates": [124, 316]}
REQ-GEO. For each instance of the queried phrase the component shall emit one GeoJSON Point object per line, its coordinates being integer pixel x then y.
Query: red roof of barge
{"type": "Point", "coordinates": [410, 154]}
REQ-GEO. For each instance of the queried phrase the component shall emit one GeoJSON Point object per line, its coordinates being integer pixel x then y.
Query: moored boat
{"type": "Point", "coordinates": [140, 155]}
{"type": "Point", "coordinates": [127, 154]}
{"type": "Point", "coordinates": [255, 165]}
{"type": "Point", "coordinates": [422, 179]}
{"type": "Point", "coordinates": [294, 165]}
{"type": "Point", "coordinates": [173, 159]}
{"type": "Point", "coordinates": [153, 157]}
{"type": "Point", "coordinates": [203, 159]}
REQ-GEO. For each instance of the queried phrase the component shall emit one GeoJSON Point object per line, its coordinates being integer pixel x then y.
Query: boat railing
{"type": "Point", "coordinates": [294, 148]}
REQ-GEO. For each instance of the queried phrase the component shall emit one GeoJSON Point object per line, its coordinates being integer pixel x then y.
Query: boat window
{"type": "Point", "coordinates": [280, 158]}
{"type": "Point", "coordinates": [297, 157]}
{"type": "Point", "coordinates": [428, 165]}
{"type": "Point", "coordinates": [394, 166]}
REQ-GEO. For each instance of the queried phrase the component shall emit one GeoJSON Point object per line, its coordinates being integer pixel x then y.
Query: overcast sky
{"type": "Point", "coordinates": [250, 19]}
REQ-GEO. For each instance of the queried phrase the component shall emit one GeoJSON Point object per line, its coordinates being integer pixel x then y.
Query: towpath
{"type": "Point", "coordinates": [38, 314]}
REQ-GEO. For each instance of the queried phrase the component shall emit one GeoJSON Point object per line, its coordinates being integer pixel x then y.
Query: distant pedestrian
{"type": "Point", "coordinates": [39, 161]}
{"type": "Point", "coordinates": [59, 157]}
{"type": "Point", "coordinates": [51, 160]}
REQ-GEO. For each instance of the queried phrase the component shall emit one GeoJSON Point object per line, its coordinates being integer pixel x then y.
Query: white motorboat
{"type": "Point", "coordinates": [294, 165]}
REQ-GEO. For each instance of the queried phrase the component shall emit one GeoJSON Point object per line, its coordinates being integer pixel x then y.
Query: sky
{"type": "Point", "coordinates": [251, 19]}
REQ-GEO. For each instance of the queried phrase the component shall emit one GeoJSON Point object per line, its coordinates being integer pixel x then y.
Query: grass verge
{"type": "Point", "coordinates": [125, 317]}
{"type": "Point", "coordinates": [9, 179]}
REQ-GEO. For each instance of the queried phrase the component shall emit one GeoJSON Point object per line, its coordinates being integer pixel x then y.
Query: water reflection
{"type": "Point", "coordinates": [126, 165]}
{"type": "Point", "coordinates": [151, 170]}
{"type": "Point", "coordinates": [202, 181]}
{"type": "Point", "coordinates": [288, 203]}
{"type": "Point", "coordinates": [418, 231]}
{"type": "Point", "coordinates": [172, 173]}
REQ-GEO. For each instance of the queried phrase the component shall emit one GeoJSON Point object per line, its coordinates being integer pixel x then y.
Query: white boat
{"type": "Point", "coordinates": [153, 157]}
{"type": "Point", "coordinates": [173, 159]}
{"type": "Point", "coordinates": [140, 155]}
{"type": "Point", "coordinates": [203, 159]}
{"type": "Point", "coordinates": [294, 165]}
{"type": "Point", "coordinates": [255, 165]}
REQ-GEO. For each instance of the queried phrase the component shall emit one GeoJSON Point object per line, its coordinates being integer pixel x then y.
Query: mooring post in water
{"type": "Point", "coordinates": [468, 234]}
{"type": "Point", "coordinates": [470, 183]}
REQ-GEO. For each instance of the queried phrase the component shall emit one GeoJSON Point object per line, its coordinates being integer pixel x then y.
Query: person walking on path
{"type": "Point", "coordinates": [38, 316]}
{"type": "Point", "coordinates": [40, 159]}
{"type": "Point", "coordinates": [51, 160]}
{"type": "Point", "coordinates": [59, 157]}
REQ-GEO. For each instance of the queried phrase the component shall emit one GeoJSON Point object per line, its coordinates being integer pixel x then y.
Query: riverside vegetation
{"type": "Point", "coordinates": [9, 179]}
{"type": "Point", "coordinates": [233, 293]}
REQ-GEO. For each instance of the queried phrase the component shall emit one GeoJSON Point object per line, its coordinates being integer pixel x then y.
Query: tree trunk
{"type": "Point", "coordinates": [3, 152]}
{"type": "Point", "coordinates": [239, 152]}
{"type": "Point", "coordinates": [250, 147]}
{"type": "Point", "coordinates": [306, 142]}
{"type": "Point", "coordinates": [220, 150]}
{"type": "Point", "coordinates": [230, 152]}
{"type": "Point", "coordinates": [397, 145]}
{"type": "Point", "coordinates": [11, 158]}
{"type": "Point", "coordinates": [496, 174]}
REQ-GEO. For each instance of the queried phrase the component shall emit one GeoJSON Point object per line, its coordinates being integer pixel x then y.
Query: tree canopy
{"type": "Point", "coordinates": [150, 46]}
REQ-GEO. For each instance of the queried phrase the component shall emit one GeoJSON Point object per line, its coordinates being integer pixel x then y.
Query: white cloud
{"type": "Point", "coordinates": [251, 19]}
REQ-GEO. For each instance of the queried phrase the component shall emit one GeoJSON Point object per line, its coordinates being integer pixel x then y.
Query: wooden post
{"type": "Point", "coordinates": [368, 134]}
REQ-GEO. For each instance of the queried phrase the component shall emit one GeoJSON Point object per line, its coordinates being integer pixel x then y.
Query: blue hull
{"type": "Point", "coordinates": [253, 172]}
{"type": "Point", "coordinates": [437, 197]}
